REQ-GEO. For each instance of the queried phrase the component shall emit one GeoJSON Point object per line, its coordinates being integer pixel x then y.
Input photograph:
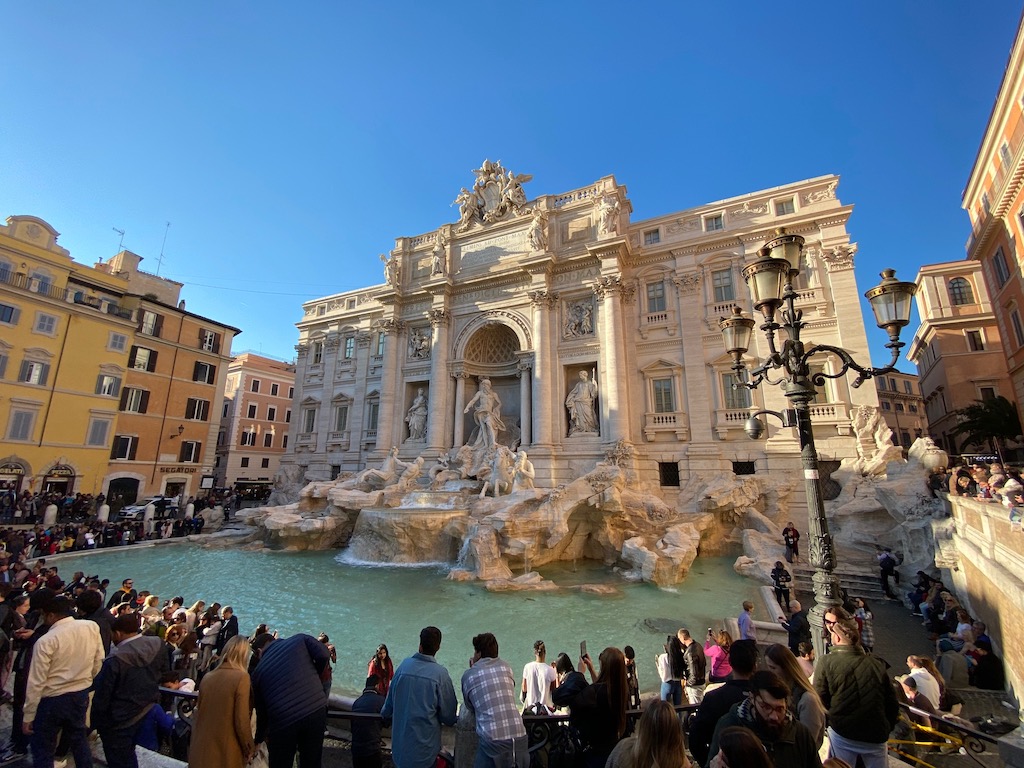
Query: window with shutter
{"type": "Point", "coordinates": [124, 447]}
{"type": "Point", "coordinates": [209, 341]}
{"type": "Point", "coordinates": [9, 314]}
{"type": "Point", "coordinates": [190, 450]}
{"type": "Point", "coordinates": [98, 429]}
{"type": "Point", "coordinates": [21, 425]}
{"type": "Point", "coordinates": [204, 372]}
{"type": "Point", "coordinates": [34, 372]}
{"type": "Point", "coordinates": [3, 365]}
{"type": "Point", "coordinates": [108, 385]}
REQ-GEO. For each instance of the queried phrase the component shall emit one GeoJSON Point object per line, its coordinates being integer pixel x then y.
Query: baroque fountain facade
{"type": "Point", "coordinates": [544, 380]}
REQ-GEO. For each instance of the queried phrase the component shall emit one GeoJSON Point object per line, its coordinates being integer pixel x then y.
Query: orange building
{"type": "Point", "coordinates": [958, 348]}
{"type": "Point", "coordinates": [255, 417]}
{"type": "Point", "coordinates": [167, 422]}
{"type": "Point", "coordinates": [994, 200]}
{"type": "Point", "coordinates": [902, 407]}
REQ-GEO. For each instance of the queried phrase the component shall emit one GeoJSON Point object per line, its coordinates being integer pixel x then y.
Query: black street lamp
{"type": "Point", "coordinates": [770, 281]}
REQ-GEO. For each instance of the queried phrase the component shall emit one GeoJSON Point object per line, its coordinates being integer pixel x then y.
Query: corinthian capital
{"type": "Point", "coordinates": [544, 299]}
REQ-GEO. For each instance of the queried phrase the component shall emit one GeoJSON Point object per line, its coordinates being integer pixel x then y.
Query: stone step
{"type": "Point", "coordinates": [857, 581]}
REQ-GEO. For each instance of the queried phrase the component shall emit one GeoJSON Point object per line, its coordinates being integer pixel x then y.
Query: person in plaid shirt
{"type": "Point", "coordinates": [489, 692]}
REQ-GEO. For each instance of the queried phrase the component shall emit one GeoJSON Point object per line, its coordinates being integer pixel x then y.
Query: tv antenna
{"type": "Point", "coordinates": [120, 243]}
{"type": "Point", "coordinates": [160, 258]}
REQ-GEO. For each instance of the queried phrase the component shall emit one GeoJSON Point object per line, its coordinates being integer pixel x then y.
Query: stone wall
{"type": "Point", "coordinates": [989, 576]}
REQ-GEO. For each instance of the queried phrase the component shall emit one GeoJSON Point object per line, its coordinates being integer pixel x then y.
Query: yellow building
{"type": "Point", "coordinates": [64, 340]}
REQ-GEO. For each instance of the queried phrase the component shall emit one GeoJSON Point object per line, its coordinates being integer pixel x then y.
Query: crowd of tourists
{"type": "Point", "coordinates": [751, 704]}
{"type": "Point", "coordinates": [776, 704]}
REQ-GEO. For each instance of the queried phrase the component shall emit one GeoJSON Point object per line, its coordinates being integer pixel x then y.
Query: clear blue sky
{"type": "Point", "coordinates": [289, 143]}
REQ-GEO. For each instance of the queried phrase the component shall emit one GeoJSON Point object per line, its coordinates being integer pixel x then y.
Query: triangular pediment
{"type": "Point", "coordinates": [661, 364]}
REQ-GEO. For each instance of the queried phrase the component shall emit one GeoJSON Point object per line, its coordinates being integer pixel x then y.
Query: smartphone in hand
{"type": "Point", "coordinates": [583, 649]}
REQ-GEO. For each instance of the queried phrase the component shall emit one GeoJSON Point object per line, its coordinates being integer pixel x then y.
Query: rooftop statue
{"type": "Point", "coordinates": [496, 194]}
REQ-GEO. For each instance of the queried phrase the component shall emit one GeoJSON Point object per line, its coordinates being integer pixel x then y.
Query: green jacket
{"type": "Point", "coordinates": [856, 690]}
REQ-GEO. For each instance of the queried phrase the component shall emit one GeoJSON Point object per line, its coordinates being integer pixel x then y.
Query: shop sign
{"type": "Point", "coordinates": [61, 471]}
{"type": "Point", "coordinates": [11, 469]}
{"type": "Point", "coordinates": [180, 470]}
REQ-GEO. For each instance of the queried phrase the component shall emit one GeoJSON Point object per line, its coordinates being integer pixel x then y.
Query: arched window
{"type": "Point", "coordinates": [960, 291]}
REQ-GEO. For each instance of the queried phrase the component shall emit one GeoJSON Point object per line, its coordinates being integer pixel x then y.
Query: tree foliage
{"type": "Point", "coordinates": [989, 423]}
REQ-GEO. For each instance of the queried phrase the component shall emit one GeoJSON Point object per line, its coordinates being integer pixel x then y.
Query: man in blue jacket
{"type": "Point", "coordinates": [420, 700]}
{"type": "Point", "coordinates": [291, 706]}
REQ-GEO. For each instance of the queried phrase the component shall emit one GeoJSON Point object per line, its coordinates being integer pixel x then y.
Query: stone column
{"type": "Point", "coordinates": [103, 513]}
{"type": "Point", "coordinates": [50, 514]}
{"type": "Point", "coordinates": [460, 404]}
{"type": "Point", "coordinates": [391, 388]}
{"type": "Point", "coordinates": [437, 439]}
{"type": "Point", "coordinates": [611, 292]}
{"type": "Point", "coordinates": [698, 402]}
{"type": "Point", "coordinates": [523, 371]}
{"type": "Point", "coordinates": [190, 511]}
{"type": "Point", "coordinates": [544, 303]}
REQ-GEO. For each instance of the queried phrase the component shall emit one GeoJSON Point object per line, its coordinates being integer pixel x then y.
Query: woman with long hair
{"type": "Point", "coordinates": [866, 620]}
{"type": "Point", "coordinates": [209, 627]}
{"type": "Point", "coordinates": [672, 670]}
{"type": "Point", "coordinates": [599, 711]}
{"type": "Point", "coordinates": [222, 723]}
{"type": "Point", "coordinates": [658, 742]}
{"type": "Point", "coordinates": [738, 747]}
{"type": "Point", "coordinates": [381, 666]}
{"type": "Point", "coordinates": [193, 614]}
{"type": "Point", "coordinates": [716, 648]}
{"type": "Point", "coordinates": [151, 613]}
{"type": "Point", "coordinates": [804, 701]}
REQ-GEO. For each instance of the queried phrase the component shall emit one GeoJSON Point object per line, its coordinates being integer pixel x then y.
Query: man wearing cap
{"type": "Point", "coordinates": [64, 662]}
{"type": "Point", "coordinates": [127, 687]}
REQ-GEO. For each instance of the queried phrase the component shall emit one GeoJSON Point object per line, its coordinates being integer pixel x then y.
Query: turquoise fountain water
{"type": "Point", "coordinates": [360, 606]}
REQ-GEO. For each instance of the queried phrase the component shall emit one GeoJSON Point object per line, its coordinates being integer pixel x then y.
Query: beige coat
{"type": "Point", "coordinates": [222, 722]}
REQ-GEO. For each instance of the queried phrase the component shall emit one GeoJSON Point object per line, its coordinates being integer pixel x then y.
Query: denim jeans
{"type": "Point", "coordinates": [61, 713]}
{"type": "Point", "coordinates": [672, 691]}
{"type": "Point", "coordinates": [873, 755]}
{"type": "Point", "coordinates": [506, 753]}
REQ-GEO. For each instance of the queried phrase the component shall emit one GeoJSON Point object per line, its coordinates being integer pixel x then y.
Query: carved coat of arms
{"type": "Point", "coordinates": [497, 193]}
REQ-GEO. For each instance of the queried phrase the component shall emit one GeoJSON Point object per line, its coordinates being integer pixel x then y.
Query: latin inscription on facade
{"type": "Point", "coordinates": [490, 294]}
{"type": "Point", "coordinates": [493, 249]}
{"type": "Point", "coordinates": [576, 277]}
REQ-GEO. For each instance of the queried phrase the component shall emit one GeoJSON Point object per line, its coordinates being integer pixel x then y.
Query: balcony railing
{"type": "Point", "coordinates": [31, 284]}
{"type": "Point", "coordinates": [673, 422]}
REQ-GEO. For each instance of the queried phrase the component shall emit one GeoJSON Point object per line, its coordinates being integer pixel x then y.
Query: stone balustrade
{"type": "Point", "coordinates": [988, 574]}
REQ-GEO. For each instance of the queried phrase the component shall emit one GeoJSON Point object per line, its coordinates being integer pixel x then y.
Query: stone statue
{"type": "Point", "coordinates": [419, 345]}
{"type": "Point", "coordinates": [440, 256]}
{"type": "Point", "coordinates": [390, 269]}
{"type": "Point", "coordinates": [386, 475]}
{"type": "Point", "coordinates": [580, 402]}
{"type": "Point", "coordinates": [536, 235]}
{"type": "Point", "coordinates": [469, 208]}
{"type": "Point", "coordinates": [496, 194]}
{"type": "Point", "coordinates": [410, 477]}
{"type": "Point", "coordinates": [608, 215]}
{"type": "Point", "coordinates": [487, 414]}
{"type": "Point", "coordinates": [416, 418]}
{"type": "Point", "coordinates": [501, 472]}
{"type": "Point", "coordinates": [522, 473]}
